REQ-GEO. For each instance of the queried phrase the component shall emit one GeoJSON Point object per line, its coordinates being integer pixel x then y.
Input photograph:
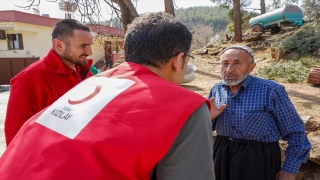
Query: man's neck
{"type": "Point", "coordinates": [68, 63]}
{"type": "Point", "coordinates": [162, 72]}
{"type": "Point", "coordinates": [155, 70]}
{"type": "Point", "coordinates": [234, 89]}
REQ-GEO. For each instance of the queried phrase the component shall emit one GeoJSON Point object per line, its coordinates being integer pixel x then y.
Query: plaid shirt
{"type": "Point", "coordinates": [262, 111]}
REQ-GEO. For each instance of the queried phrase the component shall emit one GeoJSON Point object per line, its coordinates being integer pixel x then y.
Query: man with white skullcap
{"type": "Point", "coordinates": [258, 113]}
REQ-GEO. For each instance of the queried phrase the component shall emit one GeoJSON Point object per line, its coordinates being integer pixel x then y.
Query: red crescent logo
{"type": "Point", "coordinates": [90, 96]}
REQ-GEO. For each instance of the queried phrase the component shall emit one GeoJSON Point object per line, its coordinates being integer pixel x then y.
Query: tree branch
{"type": "Point", "coordinates": [28, 7]}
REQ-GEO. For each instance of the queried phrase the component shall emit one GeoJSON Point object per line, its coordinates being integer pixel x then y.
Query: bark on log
{"type": "Point", "coordinates": [314, 75]}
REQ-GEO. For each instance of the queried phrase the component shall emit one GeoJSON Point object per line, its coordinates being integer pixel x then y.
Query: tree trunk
{"type": "Point", "coordinates": [168, 6]}
{"type": "Point", "coordinates": [237, 21]}
{"type": "Point", "coordinates": [263, 6]}
{"type": "Point", "coordinates": [128, 12]}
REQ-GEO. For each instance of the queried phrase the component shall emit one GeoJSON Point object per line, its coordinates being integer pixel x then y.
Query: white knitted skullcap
{"type": "Point", "coordinates": [246, 49]}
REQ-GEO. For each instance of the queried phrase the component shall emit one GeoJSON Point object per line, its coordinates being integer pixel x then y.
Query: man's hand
{"type": "Point", "coordinates": [215, 111]}
{"type": "Point", "coordinates": [282, 175]}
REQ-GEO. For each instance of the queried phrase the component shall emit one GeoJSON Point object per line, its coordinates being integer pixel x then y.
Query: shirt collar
{"type": "Point", "coordinates": [246, 82]}
{"type": "Point", "coordinates": [61, 67]}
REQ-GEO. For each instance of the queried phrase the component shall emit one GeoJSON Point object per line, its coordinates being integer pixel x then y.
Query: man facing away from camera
{"type": "Point", "coordinates": [258, 113]}
{"type": "Point", "coordinates": [134, 121]}
{"type": "Point", "coordinates": [44, 81]}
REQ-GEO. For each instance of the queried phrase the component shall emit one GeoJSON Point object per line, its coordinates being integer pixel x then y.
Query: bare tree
{"type": "Point", "coordinates": [202, 35]}
{"type": "Point", "coordinates": [90, 10]}
{"type": "Point", "coordinates": [127, 10]}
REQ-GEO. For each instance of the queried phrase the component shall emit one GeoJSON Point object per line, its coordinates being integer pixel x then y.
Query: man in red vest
{"type": "Point", "coordinates": [46, 80]}
{"type": "Point", "coordinates": [132, 122]}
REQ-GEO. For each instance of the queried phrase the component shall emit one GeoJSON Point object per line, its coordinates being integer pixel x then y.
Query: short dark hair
{"type": "Point", "coordinates": [155, 38]}
{"type": "Point", "coordinates": [63, 30]}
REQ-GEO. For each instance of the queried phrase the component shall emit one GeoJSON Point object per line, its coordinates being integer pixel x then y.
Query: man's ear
{"type": "Point", "coordinates": [252, 66]}
{"type": "Point", "coordinates": [58, 45]}
{"type": "Point", "coordinates": [177, 61]}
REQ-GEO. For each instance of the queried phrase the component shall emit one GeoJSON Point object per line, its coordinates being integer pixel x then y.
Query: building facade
{"type": "Point", "coordinates": [29, 35]}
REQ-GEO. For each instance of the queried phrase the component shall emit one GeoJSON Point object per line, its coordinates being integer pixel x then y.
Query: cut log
{"type": "Point", "coordinates": [253, 37]}
{"type": "Point", "coordinates": [213, 52]}
{"type": "Point", "coordinates": [314, 75]}
{"type": "Point", "coordinates": [201, 51]}
{"type": "Point", "coordinates": [276, 54]}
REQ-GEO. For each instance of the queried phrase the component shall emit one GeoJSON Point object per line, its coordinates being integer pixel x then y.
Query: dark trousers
{"type": "Point", "coordinates": [236, 159]}
{"type": "Point", "coordinates": [109, 63]}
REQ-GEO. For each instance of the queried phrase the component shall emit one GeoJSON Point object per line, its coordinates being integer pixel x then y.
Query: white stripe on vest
{"type": "Point", "coordinates": [75, 109]}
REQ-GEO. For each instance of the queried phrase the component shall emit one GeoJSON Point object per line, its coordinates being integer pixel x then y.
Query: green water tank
{"type": "Point", "coordinates": [288, 15]}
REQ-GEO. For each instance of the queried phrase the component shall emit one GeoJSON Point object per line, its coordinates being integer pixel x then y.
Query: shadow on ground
{"type": "Point", "coordinates": [312, 100]}
{"type": "Point", "coordinates": [207, 74]}
{"type": "Point", "coordinates": [192, 87]}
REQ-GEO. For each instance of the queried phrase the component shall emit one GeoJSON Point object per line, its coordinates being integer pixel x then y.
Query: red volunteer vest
{"type": "Point", "coordinates": [38, 86]}
{"type": "Point", "coordinates": [119, 127]}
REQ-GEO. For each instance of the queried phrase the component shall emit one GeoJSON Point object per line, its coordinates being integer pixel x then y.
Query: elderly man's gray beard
{"type": "Point", "coordinates": [234, 82]}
